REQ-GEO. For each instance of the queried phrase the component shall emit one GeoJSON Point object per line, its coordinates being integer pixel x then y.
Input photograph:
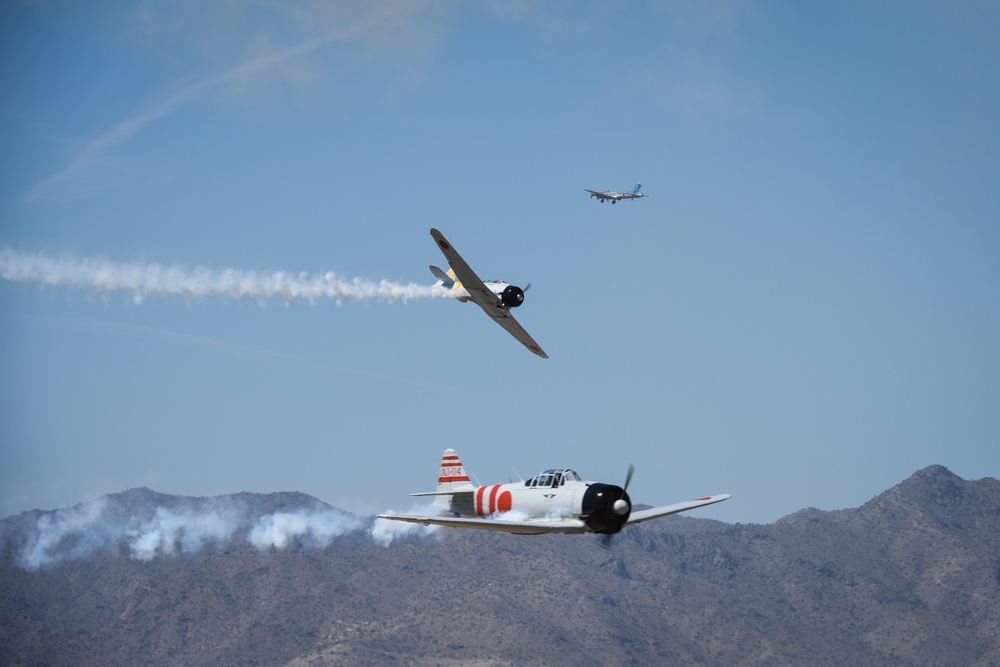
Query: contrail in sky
{"type": "Point", "coordinates": [90, 155]}
{"type": "Point", "coordinates": [142, 280]}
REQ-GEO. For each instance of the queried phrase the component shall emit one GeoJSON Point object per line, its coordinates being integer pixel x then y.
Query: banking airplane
{"type": "Point", "coordinates": [616, 196]}
{"type": "Point", "coordinates": [554, 501]}
{"type": "Point", "coordinates": [493, 296]}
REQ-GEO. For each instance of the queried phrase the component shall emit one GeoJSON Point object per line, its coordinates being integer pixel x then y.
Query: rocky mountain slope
{"type": "Point", "coordinates": [910, 578]}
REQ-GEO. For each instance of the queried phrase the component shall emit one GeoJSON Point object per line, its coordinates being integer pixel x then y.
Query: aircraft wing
{"type": "Point", "coordinates": [484, 296]}
{"type": "Point", "coordinates": [667, 510]}
{"type": "Point", "coordinates": [527, 527]}
{"type": "Point", "coordinates": [515, 329]}
{"type": "Point", "coordinates": [602, 195]}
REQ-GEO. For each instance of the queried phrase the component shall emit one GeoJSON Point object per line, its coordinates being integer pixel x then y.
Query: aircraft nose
{"type": "Point", "coordinates": [620, 507]}
{"type": "Point", "coordinates": [512, 296]}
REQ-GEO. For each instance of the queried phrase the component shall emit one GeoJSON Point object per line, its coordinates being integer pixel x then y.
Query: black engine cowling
{"type": "Point", "coordinates": [512, 296]}
{"type": "Point", "coordinates": [599, 508]}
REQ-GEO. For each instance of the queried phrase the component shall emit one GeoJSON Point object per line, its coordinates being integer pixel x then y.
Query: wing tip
{"type": "Point", "coordinates": [537, 350]}
{"type": "Point", "coordinates": [717, 498]}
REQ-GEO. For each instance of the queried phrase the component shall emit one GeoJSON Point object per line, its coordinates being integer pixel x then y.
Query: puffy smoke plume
{"type": "Point", "coordinates": [70, 534]}
{"type": "Point", "coordinates": [144, 526]}
{"type": "Point", "coordinates": [185, 532]}
{"type": "Point", "coordinates": [140, 281]}
{"type": "Point", "coordinates": [384, 531]}
{"type": "Point", "coordinates": [316, 529]}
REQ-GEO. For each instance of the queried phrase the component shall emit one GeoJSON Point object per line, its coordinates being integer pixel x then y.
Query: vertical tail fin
{"type": "Point", "coordinates": [453, 476]}
{"type": "Point", "coordinates": [453, 479]}
{"type": "Point", "coordinates": [449, 281]}
{"type": "Point", "coordinates": [637, 186]}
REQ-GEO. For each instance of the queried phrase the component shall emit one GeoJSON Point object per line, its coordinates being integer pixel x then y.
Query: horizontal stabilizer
{"type": "Point", "coordinates": [441, 275]}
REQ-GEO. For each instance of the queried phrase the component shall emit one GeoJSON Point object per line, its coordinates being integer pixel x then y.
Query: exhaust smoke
{"type": "Point", "coordinates": [140, 281]}
{"type": "Point", "coordinates": [157, 526]}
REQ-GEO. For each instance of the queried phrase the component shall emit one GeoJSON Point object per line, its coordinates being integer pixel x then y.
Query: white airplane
{"type": "Point", "coordinates": [493, 296]}
{"type": "Point", "coordinates": [554, 501]}
{"type": "Point", "coordinates": [615, 197]}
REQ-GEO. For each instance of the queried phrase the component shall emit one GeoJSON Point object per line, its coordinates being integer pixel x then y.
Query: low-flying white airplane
{"type": "Point", "coordinates": [493, 296]}
{"type": "Point", "coordinates": [615, 197]}
{"type": "Point", "coordinates": [554, 501]}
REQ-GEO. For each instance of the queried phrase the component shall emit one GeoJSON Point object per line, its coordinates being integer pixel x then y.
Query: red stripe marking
{"type": "Point", "coordinates": [493, 498]}
{"type": "Point", "coordinates": [463, 478]}
{"type": "Point", "coordinates": [705, 498]}
{"type": "Point", "coordinates": [479, 500]}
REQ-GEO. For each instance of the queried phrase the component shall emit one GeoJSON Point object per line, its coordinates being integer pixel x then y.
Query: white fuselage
{"type": "Point", "coordinates": [529, 502]}
{"type": "Point", "coordinates": [553, 501]}
{"type": "Point", "coordinates": [459, 292]}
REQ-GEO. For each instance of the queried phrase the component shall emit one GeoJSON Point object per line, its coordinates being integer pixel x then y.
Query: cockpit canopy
{"type": "Point", "coordinates": [553, 478]}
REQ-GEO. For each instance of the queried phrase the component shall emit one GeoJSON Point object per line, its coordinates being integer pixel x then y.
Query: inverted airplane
{"type": "Point", "coordinates": [615, 197]}
{"type": "Point", "coordinates": [554, 501]}
{"type": "Point", "coordinates": [496, 297]}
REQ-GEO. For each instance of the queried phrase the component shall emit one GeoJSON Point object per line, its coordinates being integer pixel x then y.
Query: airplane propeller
{"type": "Point", "coordinates": [526, 287]}
{"type": "Point", "coordinates": [621, 507]}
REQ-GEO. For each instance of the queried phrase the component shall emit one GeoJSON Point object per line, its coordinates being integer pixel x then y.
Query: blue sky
{"type": "Point", "coordinates": [803, 312]}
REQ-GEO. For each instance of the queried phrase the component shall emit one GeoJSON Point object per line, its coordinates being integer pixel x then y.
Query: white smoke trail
{"type": "Point", "coordinates": [65, 534]}
{"type": "Point", "coordinates": [143, 280]}
{"type": "Point", "coordinates": [101, 526]}
{"type": "Point", "coordinates": [187, 532]}
{"type": "Point", "coordinates": [384, 531]}
{"type": "Point", "coordinates": [317, 529]}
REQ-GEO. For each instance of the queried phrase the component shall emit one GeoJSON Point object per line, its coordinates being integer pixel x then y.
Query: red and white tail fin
{"type": "Point", "coordinates": [454, 489]}
{"type": "Point", "coordinates": [453, 476]}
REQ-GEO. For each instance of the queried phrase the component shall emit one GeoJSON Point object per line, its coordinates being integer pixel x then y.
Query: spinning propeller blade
{"type": "Point", "coordinates": [621, 506]}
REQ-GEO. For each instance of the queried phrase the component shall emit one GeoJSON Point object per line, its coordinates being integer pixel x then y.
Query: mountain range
{"type": "Point", "coordinates": [910, 578]}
